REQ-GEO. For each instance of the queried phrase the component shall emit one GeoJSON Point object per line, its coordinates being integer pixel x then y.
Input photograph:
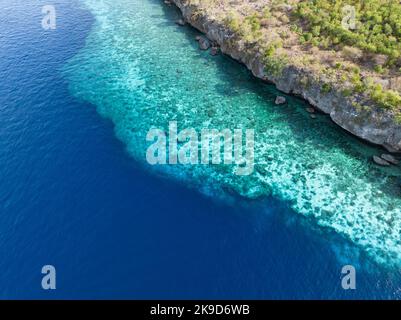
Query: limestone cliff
{"type": "Point", "coordinates": [367, 121]}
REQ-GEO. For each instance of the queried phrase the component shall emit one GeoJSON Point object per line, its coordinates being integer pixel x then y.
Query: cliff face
{"type": "Point", "coordinates": [375, 125]}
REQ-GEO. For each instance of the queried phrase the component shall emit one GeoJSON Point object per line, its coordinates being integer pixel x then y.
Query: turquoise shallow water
{"type": "Point", "coordinates": [141, 71]}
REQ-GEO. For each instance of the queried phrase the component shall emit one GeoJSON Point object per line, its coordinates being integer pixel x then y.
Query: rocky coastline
{"type": "Point", "coordinates": [374, 125]}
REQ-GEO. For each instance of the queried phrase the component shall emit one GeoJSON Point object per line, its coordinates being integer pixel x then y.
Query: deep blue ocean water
{"type": "Point", "coordinates": [72, 196]}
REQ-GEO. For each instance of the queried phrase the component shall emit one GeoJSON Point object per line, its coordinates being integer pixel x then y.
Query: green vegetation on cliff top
{"type": "Point", "coordinates": [373, 37]}
{"type": "Point", "coordinates": [376, 27]}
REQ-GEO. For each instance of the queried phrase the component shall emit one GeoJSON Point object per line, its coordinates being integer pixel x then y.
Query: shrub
{"type": "Point", "coordinates": [388, 99]}
{"type": "Point", "coordinates": [352, 53]}
{"type": "Point", "coordinates": [326, 88]}
{"type": "Point", "coordinates": [274, 64]}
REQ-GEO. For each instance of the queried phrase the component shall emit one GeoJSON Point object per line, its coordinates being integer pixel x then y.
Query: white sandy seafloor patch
{"type": "Point", "coordinates": [142, 71]}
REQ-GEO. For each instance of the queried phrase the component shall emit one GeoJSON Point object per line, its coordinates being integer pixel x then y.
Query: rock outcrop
{"type": "Point", "coordinates": [280, 100]}
{"type": "Point", "coordinates": [204, 43]}
{"type": "Point", "coordinates": [380, 161]}
{"type": "Point", "coordinates": [180, 22]}
{"type": "Point", "coordinates": [389, 158]}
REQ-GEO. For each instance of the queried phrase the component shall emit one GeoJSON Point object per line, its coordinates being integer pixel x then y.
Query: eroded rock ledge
{"type": "Point", "coordinates": [372, 124]}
